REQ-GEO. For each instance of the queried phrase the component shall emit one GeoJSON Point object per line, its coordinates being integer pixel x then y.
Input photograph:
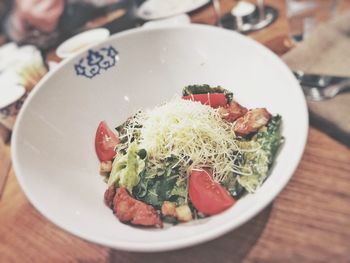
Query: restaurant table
{"type": "Point", "coordinates": [308, 222]}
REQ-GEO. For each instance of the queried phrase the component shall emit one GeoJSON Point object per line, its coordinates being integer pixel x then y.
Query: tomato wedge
{"type": "Point", "coordinates": [214, 100]}
{"type": "Point", "coordinates": [105, 142]}
{"type": "Point", "coordinates": [208, 196]}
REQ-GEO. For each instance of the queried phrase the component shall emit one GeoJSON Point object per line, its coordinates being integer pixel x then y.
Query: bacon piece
{"type": "Point", "coordinates": [128, 209]}
{"type": "Point", "coordinates": [109, 196]}
{"type": "Point", "coordinates": [251, 121]}
{"type": "Point", "coordinates": [232, 111]}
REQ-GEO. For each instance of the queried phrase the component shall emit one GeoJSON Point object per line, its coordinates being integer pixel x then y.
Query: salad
{"type": "Point", "coordinates": [191, 157]}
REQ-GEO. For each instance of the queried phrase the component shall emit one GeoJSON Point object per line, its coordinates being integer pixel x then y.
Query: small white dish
{"type": "Point", "coordinates": [14, 57]}
{"type": "Point", "coordinates": [53, 141]}
{"type": "Point", "coordinates": [178, 20]}
{"type": "Point", "coordinates": [11, 98]}
{"type": "Point", "coordinates": [13, 60]}
{"type": "Point", "coordinates": [7, 53]}
{"type": "Point", "coordinates": [10, 91]}
{"type": "Point", "coordinates": [11, 95]}
{"type": "Point", "coordinates": [243, 9]}
{"type": "Point", "coordinates": [81, 42]}
{"type": "Point", "coordinates": [157, 9]}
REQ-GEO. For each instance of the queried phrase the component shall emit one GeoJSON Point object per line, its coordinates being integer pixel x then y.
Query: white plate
{"type": "Point", "coordinates": [81, 42]}
{"type": "Point", "coordinates": [53, 142]}
{"type": "Point", "coordinates": [156, 9]}
{"type": "Point", "coordinates": [10, 91]}
{"type": "Point", "coordinates": [178, 20]}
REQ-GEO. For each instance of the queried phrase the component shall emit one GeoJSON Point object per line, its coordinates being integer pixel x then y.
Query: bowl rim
{"type": "Point", "coordinates": [178, 243]}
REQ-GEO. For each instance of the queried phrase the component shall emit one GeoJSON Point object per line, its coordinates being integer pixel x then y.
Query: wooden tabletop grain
{"type": "Point", "coordinates": [308, 222]}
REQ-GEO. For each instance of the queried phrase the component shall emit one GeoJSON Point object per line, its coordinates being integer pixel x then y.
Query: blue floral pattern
{"type": "Point", "coordinates": [96, 61]}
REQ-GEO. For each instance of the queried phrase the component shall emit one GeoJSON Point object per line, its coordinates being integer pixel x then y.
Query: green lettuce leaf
{"type": "Point", "coordinates": [258, 162]}
{"type": "Point", "coordinates": [126, 169]}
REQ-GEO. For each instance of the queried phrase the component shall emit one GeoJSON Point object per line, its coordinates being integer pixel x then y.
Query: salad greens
{"type": "Point", "coordinates": [156, 168]}
{"type": "Point", "coordinates": [257, 163]}
{"type": "Point", "coordinates": [159, 183]}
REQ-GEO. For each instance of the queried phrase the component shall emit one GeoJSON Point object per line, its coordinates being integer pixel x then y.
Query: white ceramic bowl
{"type": "Point", "coordinates": [53, 142]}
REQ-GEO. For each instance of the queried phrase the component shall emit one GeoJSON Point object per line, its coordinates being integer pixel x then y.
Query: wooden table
{"type": "Point", "coordinates": [308, 222]}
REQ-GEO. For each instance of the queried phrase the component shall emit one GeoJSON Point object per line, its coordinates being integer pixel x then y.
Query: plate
{"type": "Point", "coordinates": [81, 41]}
{"type": "Point", "coordinates": [156, 9]}
{"type": "Point", "coordinates": [53, 141]}
{"type": "Point", "coordinates": [177, 20]}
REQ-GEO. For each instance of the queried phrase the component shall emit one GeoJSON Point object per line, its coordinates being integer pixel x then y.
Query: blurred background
{"type": "Point", "coordinates": [310, 36]}
{"type": "Point", "coordinates": [36, 35]}
{"type": "Point", "coordinates": [33, 33]}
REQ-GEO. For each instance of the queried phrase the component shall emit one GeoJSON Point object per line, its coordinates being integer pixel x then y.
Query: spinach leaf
{"type": "Point", "coordinates": [156, 184]}
{"type": "Point", "coordinates": [233, 187]}
{"type": "Point", "coordinates": [179, 192]}
{"type": "Point", "coordinates": [157, 190]}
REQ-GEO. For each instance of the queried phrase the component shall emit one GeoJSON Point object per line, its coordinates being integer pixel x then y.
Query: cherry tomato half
{"type": "Point", "coordinates": [208, 196]}
{"type": "Point", "coordinates": [105, 142]}
{"type": "Point", "coordinates": [215, 100]}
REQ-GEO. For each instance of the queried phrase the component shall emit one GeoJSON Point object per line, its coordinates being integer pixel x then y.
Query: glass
{"type": "Point", "coordinates": [217, 10]}
{"type": "Point", "coordinates": [304, 15]}
{"type": "Point", "coordinates": [245, 16]}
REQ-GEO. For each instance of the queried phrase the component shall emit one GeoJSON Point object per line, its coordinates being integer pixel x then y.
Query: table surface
{"type": "Point", "coordinates": [308, 222]}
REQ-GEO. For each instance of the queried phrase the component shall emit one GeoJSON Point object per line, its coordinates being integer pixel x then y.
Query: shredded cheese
{"type": "Point", "coordinates": [194, 133]}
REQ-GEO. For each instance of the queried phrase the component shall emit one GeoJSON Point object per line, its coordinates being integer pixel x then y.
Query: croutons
{"type": "Point", "coordinates": [169, 209]}
{"type": "Point", "coordinates": [183, 213]}
{"type": "Point", "coordinates": [105, 167]}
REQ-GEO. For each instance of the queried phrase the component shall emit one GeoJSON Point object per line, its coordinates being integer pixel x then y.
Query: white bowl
{"type": "Point", "coordinates": [81, 42]}
{"type": "Point", "coordinates": [53, 142]}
